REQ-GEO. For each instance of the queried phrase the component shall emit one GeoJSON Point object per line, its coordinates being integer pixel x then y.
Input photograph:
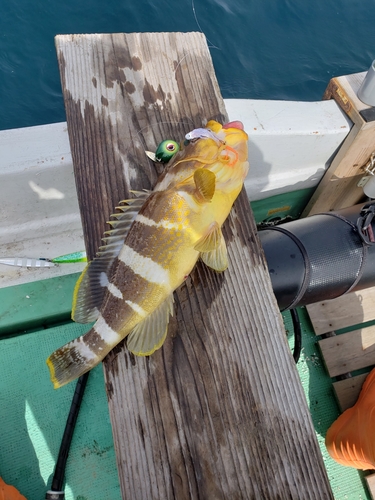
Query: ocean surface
{"type": "Point", "coordinates": [261, 49]}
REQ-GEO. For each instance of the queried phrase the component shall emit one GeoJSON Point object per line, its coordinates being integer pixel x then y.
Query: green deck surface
{"type": "Point", "coordinates": [33, 417]}
{"type": "Point", "coordinates": [44, 302]}
{"type": "Point", "coordinates": [33, 414]}
{"type": "Point", "coordinates": [346, 483]}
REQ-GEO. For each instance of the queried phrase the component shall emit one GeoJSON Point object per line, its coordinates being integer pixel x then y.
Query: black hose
{"type": "Point", "coordinates": [56, 492]}
{"type": "Point", "coordinates": [322, 256]}
{"type": "Point", "coordinates": [297, 334]}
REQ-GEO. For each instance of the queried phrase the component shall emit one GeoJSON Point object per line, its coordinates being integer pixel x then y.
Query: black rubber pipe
{"type": "Point", "coordinates": [56, 492]}
{"type": "Point", "coordinates": [322, 256]}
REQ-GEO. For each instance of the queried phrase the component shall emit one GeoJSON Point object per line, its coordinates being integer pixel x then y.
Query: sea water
{"type": "Point", "coordinates": [261, 49]}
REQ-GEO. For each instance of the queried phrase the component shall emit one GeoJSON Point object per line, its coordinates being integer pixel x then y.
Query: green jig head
{"type": "Point", "coordinates": [166, 150]}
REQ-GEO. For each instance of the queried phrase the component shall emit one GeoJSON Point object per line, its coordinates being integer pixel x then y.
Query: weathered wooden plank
{"type": "Point", "coordinates": [338, 188]}
{"type": "Point", "coordinates": [348, 310]}
{"type": "Point", "coordinates": [220, 405]}
{"type": "Point", "coordinates": [344, 90]}
{"type": "Point", "coordinates": [349, 351]}
{"type": "Point", "coordinates": [347, 390]}
{"type": "Point", "coordinates": [115, 111]}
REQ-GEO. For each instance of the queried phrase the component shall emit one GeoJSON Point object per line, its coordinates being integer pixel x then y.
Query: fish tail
{"type": "Point", "coordinates": [78, 357]}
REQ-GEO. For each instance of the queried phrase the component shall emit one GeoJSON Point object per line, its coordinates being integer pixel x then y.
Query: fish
{"type": "Point", "coordinates": [153, 245]}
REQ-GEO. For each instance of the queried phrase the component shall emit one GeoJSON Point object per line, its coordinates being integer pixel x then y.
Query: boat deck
{"type": "Point", "coordinates": [33, 414]}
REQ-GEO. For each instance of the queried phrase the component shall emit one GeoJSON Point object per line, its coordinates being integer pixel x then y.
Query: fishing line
{"type": "Point", "coordinates": [180, 61]}
{"type": "Point", "coordinates": [161, 123]}
{"type": "Point", "coordinates": [212, 46]}
{"type": "Point", "coordinates": [165, 123]}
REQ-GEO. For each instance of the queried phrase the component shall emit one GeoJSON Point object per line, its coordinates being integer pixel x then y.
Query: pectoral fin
{"type": "Point", "coordinates": [91, 286]}
{"type": "Point", "coordinates": [205, 182]}
{"type": "Point", "coordinates": [211, 240]}
{"type": "Point", "coordinates": [150, 334]}
{"type": "Point", "coordinates": [213, 250]}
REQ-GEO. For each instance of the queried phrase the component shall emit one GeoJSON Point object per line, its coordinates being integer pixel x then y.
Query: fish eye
{"type": "Point", "coordinates": [186, 142]}
{"type": "Point", "coordinates": [170, 146]}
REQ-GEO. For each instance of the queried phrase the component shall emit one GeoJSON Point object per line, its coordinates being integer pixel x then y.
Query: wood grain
{"type": "Point", "coordinates": [338, 188]}
{"type": "Point", "coordinates": [349, 351]}
{"type": "Point", "coordinates": [116, 111]}
{"type": "Point", "coordinates": [219, 410]}
{"type": "Point", "coordinates": [344, 90]}
{"type": "Point", "coordinates": [348, 310]}
{"type": "Point", "coordinates": [347, 390]}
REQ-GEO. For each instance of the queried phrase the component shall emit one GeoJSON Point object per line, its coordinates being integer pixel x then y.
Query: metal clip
{"type": "Point", "coordinates": [370, 165]}
{"type": "Point", "coordinates": [364, 223]}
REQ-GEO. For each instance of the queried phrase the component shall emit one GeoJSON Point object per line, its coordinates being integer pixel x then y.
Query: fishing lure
{"type": "Point", "coordinates": [26, 262]}
{"type": "Point", "coordinates": [164, 152]}
{"type": "Point", "coordinates": [70, 258]}
{"type": "Point", "coordinates": [200, 133]}
{"type": "Point", "coordinates": [154, 243]}
{"type": "Point", "coordinates": [43, 262]}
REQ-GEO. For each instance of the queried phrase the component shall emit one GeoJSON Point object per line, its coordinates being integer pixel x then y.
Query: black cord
{"type": "Point", "coordinates": [297, 334]}
{"type": "Point", "coordinates": [59, 474]}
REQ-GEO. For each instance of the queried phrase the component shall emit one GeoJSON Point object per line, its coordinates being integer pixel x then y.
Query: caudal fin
{"type": "Point", "coordinates": [74, 359]}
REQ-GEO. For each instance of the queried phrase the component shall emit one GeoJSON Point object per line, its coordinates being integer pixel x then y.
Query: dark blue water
{"type": "Point", "coordinates": [267, 49]}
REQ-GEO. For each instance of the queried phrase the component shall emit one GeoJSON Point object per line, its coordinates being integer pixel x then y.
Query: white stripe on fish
{"type": "Point", "coordinates": [144, 266]}
{"type": "Point", "coordinates": [116, 292]}
{"type": "Point", "coordinates": [82, 350]}
{"type": "Point", "coordinates": [107, 333]}
{"type": "Point", "coordinates": [165, 224]}
{"type": "Point", "coordinates": [136, 308]}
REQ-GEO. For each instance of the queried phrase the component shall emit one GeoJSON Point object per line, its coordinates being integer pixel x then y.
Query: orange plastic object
{"type": "Point", "coordinates": [8, 492]}
{"type": "Point", "coordinates": [351, 438]}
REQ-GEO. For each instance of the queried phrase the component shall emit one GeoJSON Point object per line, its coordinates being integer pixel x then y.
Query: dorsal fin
{"type": "Point", "coordinates": [149, 335]}
{"type": "Point", "coordinates": [205, 182]}
{"type": "Point", "coordinates": [90, 288]}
